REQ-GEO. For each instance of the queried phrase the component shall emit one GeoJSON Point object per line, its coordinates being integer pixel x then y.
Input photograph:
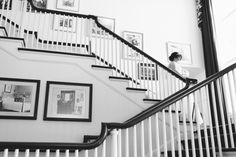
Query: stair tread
{"type": "Point", "coordinates": [138, 89]}
{"type": "Point", "coordinates": [100, 66]}
{"type": "Point", "coordinates": [55, 52]}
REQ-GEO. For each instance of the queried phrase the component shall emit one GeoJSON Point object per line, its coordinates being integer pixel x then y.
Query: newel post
{"type": "Point", "coordinates": [114, 145]}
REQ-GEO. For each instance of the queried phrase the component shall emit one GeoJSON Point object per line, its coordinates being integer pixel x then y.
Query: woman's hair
{"type": "Point", "coordinates": [175, 55]}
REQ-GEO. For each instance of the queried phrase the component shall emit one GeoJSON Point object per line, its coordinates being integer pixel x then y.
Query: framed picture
{"type": "Point", "coordinates": [68, 102]}
{"type": "Point", "coordinates": [147, 71]}
{"type": "Point", "coordinates": [64, 23]}
{"type": "Point", "coordinates": [5, 4]}
{"type": "Point", "coordinates": [181, 48]}
{"type": "Point", "coordinates": [18, 98]}
{"type": "Point", "coordinates": [72, 5]}
{"type": "Point", "coordinates": [109, 23]}
{"type": "Point", "coordinates": [136, 39]}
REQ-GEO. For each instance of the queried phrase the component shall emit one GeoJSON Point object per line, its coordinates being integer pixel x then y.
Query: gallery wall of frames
{"type": "Point", "coordinates": [64, 101]}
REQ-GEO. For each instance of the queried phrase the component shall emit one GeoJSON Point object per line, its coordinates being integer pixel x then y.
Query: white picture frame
{"type": "Point", "coordinates": [70, 5]}
{"type": "Point", "coordinates": [109, 23]}
{"type": "Point", "coordinates": [183, 49]}
{"type": "Point", "coordinates": [134, 38]}
{"type": "Point", "coordinates": [64, 23]}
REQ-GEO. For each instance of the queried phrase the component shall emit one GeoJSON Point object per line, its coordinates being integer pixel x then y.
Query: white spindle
{"type": "Point", "coordinates": [119, 143]}
{"type": "Point", "coordinates": [182, 103]}
{"type": "Point", "coordinates": [48, 31]}
{"type": "Point", "coordinates": [76, 153]}
{"type": "Point", "coordinates": [86, 153]}
{"type": "Point", "coordinates": [114, 136]}
{"type": "Point", "coordinates": [104, 149]}
{"type": "Point", "coordinates": [16, 153]}
{"type": "Point", "coordinates": [150, 137]}
{"type": "Point", "coordinates": [228, 102]}
{"type": "Point", "coordinates": [7, 12]}
{"type": "Point", "coordinates": [39, 24]}
{"type": "Point", "coordinates": [5, 153]}
{"type": "Point", "coordinates": [210, 120]}
{"type": "Point", "coordinates": [178, 128]}
{"type": "Point", "coordinates": [95, 152]}
{"type": "Point", "coordinates": [68, 31]}
{"type": "Point", "coordinates": [190, 101]}
{"type": "Point", "coordinates": [48, 153]}
{"type": "Point", "coordinates": [216, 118]}
{"type": "Point", "coordinates": [67, 154]}
{"type": "Point", "coordinates": [171, 131]}
{"type": "Point", "coordinates": [198, 120]}
{"type": "Point", "coordinates": [219, 92]}
{"type": "Point", "coordinates": [58, 153]}
{"type": "Point", "coordinates": [142, 140]}
{"type": "Point", "coordinates": [164, 132]}
{"type": "Point", "coordinates": [157, 135]}
{"type": "Point", "coordinates": [27, 153]}
{"type": "Point", "coordinates": [126, 143]}
{"type": "Point", "coordinates": [204, 113]}
{"type": "Point", "coordinates": [135, 140]}
{"type": "Point", "coordinates": [27, 23]}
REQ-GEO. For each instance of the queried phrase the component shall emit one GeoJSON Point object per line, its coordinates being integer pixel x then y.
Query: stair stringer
{"type": "Point", "coordinates": [9, 52]}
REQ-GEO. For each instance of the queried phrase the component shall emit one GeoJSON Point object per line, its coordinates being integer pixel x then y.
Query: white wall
{"type": "Point", "coordinates": [108, 104]}
{"type": "Point", "coordinates": [159, 21]}
{"type": "Point", "coordinates": [225, 24]}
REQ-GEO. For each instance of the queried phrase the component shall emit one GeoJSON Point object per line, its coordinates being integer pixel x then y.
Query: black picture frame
{"type": "Point", "coordinates": [146, 71]}
{"type": "Point", "coordinates": [19, 98]}
{"type": "Point", "coordinates": [68, 101]}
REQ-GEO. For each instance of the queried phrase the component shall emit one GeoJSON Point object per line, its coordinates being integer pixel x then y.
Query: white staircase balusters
{"type": "Point", "coordinates": [114, 140]}
{"type": "Point", "coordinates": [5, 153]}
{"type": "Point", "coordinates": [216, 124]}
{"type": "Point", "coordinates": [16, 153]}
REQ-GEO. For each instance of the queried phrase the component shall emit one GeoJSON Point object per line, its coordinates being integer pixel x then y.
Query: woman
{"type": "Point", "coordinates": [174, 58]}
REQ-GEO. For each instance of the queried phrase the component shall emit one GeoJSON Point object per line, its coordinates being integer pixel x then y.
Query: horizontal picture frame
{"type": "Point", "coordinates": [19, 98]}
{"type": "Point", "coordinates": [68, 101]}
{"type": "Point", "coordinates": [70, 5]}
{"type": "Point", "coordinates": [64, 23]}
{"type": "Point", "coordinates": [181, 48]}
{"type": "Point", "coordinates": [147, 71]}
{"type": "Point", "coordinates": [107, 22]}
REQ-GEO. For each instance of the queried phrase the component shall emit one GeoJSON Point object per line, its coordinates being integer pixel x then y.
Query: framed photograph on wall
{"type": "Point", "coordinates": [134, 38]}
{"type": "Point", "coordinates": [63, 23]}
{"type": "Point", "coordinates": [72, 5]}
{"type": "Point", "coordinates": [67, 101]}
{"type": "Point", "coordinates": [5, 4]}
{"type": "Point", "coordinates": [109, 23]}
{"type": "Point", "coordinates": [18, 98]}
{"type": "Point", "coordinates": [181, 48]}
{"type": "Point", "coordinates": [147, 71]}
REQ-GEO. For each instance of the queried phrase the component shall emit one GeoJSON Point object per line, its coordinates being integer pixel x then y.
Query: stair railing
{"type": "Point", "coordinates": [161, 130]}
{"type": "Point", "coordinates": [70, 33]}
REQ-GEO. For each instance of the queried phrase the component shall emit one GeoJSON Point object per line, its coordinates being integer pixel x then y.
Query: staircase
{"type": "Point", "coordinates": [199, 121]}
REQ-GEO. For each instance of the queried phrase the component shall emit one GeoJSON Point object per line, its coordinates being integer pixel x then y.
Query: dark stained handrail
{"type": "Point", "coordinates": [106, 127]}
{"type": "Point", "coordinates": [95, 18]}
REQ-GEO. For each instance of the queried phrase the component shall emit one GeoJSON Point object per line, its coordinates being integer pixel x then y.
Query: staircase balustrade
{"type": "Point", "coordinates": [199, 121]}
{"type": "Point", "coordinates": [57, 31]}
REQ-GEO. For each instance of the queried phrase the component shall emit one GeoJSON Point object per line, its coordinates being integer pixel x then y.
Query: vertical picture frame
{"type": "Point", "coordinates": [147, 71]}
{"type": "Point", "coordinates": [135, 39]}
